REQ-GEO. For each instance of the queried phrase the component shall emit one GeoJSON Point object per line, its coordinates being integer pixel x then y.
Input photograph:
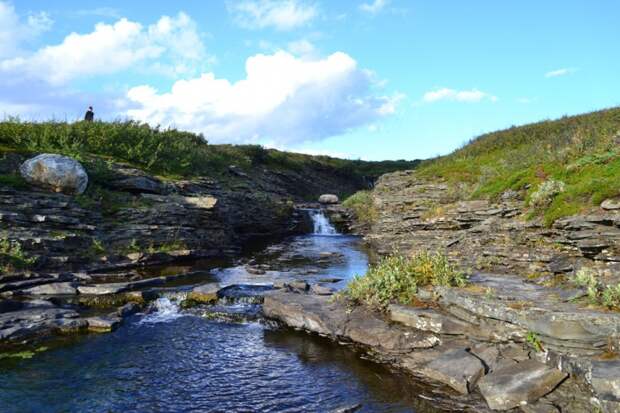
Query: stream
{"type": "Point", "coordinates": [174, 360]}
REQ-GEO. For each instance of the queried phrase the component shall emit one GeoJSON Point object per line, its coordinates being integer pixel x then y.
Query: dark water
{"type": "Point", "coordinates": [171, 361]}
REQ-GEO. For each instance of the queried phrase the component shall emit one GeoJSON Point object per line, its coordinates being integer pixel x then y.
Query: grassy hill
{"type": "Point", "coordinates": [565, 166]}
{"type": "Point", "coordinates": [167, 152]}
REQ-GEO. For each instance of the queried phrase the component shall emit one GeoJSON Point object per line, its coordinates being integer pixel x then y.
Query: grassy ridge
{"type": "Point", "coordinates": [581, 153]}
{"type": "Point", "coordinates": [166, 152]}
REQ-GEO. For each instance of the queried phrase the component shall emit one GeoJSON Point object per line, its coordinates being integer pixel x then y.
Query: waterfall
{"type": "Point", "coordinates": [321, 224]}
{"type": "Point", "coordinates": [163, 310]}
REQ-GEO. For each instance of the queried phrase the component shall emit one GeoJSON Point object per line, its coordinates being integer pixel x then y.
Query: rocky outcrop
{"type": "Point", "coordinates": [416, 213]}
{"type": "Point", "coordinates": [501, 340]}
{"type": "Point", "coordinates": [55, 172]}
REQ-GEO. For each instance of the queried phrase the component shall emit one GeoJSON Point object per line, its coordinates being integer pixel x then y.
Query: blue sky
{"type": "Point", "coordinates": [369, 79]}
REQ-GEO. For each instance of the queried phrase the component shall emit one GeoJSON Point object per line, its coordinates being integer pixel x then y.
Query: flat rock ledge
{"type": "Point", "coordinates": [484, 364]}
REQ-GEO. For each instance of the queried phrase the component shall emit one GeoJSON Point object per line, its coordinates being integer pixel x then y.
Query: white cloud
{"type": "Point", "coordinates": [375, 7]}
{"type": "Point", "coordinates": [301, 47]}
{"type": "Point", "coordinates": [561, 72]}
{"type": "Point", "coordinates": [473, 95]}
{"type": "Point", "coordinates": [278, 14]}
{"type": "Point", "coordinates": [283, 99]}
{"type": "Point", "coordinates": [14, 31]}
{"type": "Point", "coordinates": [111, 48]}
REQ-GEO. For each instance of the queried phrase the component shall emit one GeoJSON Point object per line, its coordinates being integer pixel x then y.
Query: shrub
{"type": "Point", "coordinates": [12, 257]}
{"type": "Point", "coordinates": [545, 193]}
{"type": "Point", "coordinates": [610, 297]}
{"type": "Point", "coordinates": [397, 278]}
{"type": "Point", "coordinates": [362, 205]}
{"type": "Point", "coordinates": [586, 278]}
{"type": "Point", "coordinates": [598, 294]}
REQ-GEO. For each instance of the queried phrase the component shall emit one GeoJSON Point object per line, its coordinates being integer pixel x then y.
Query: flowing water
{"type": "Point", "coordinates": [171, 360]}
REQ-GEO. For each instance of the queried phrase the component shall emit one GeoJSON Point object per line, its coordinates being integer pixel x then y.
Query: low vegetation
{"type": "Point", "coordinates": [563, 166]}
{"type": "Point", "coordinates": [362, 205]}
{"type": "Point", "coordinates": [166, 152]}
{"type": "Point", "coordinates": [598, 293]}
{"type": "Point", "coordinates": [396, 278]}
{"type": "Point", "coordinates": [12, 257]}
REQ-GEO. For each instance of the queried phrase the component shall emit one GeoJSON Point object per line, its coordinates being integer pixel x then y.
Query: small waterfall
{"type": "Point", "coordinates": [321, 224]}
{"type": "Point", "coordinates": [163, 310]}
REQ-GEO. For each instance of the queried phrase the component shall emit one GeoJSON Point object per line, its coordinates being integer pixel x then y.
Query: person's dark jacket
{"type": "Point", "coordinates": [90, 115]}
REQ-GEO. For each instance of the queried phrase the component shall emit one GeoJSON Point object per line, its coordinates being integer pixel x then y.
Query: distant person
{"type": "Point", "coordinates": [90, 115]}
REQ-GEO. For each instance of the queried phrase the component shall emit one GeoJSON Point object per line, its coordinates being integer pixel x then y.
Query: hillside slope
{"type": "Point", "coordinates": [538, 200]}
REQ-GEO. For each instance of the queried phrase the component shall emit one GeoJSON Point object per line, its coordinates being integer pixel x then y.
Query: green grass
{"type": "Point", "coordinates": [597, 292]}
{"type": "Point", "coordinates": [396, 278]}
{"type": "Point", "coordinates": [14, 181]}
{"type": "Point", "coordinates": [166, 152]}
{"type": "Point", "coordinates": [579, 151]}
{"type": "Point", "coordinates": [362, 205]}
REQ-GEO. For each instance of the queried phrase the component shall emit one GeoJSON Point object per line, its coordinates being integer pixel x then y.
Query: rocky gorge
{"type": "Point", "coordinates": [520, 335]}
{"type": "Point", "coordinates": [517, 337]}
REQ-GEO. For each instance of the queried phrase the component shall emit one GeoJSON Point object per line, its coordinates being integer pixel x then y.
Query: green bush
{"type": "Point", "coordinates": [363, 206]}
{"type": "Point", "coordinates": [544, 194]}
{"type": "Point", "coordinates": [12, 257]}
{"type": "Point", "coordinates": [397, 278]}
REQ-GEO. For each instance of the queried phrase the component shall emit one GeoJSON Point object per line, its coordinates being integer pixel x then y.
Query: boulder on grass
{"type": "Point", "coordinates": [56, 173]}
{"type": "Point", "coordinates": [329, 199]}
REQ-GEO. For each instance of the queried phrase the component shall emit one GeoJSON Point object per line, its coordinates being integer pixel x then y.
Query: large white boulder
{"type": "Point", "coordinates": [329, 199]}
{"type": "Point", "coordinates": [55, 172]}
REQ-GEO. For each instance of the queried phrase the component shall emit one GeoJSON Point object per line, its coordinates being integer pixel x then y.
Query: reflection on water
{"type": "Point", "coordinates": [176, 361]}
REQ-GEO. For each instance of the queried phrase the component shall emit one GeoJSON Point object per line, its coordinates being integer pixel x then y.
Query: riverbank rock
{"type": "Point", "coordinates": [329, 199]}
{"type": "Point", "coordinates": [55, 172]}
{"type": "Point", "coordinates": [458, 369]}
{"type": "Point", "coordinates": [519, 384]}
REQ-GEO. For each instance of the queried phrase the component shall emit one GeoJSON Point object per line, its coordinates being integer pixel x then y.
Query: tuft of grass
{"type": "Point", "coordinates": [362, 205]}
{"type": "Point", "coordinates": [533, 340]}
{"type": "Point", "coordinates": [397, 278]}
{"type": "Point", "coordinates": [598, 293]}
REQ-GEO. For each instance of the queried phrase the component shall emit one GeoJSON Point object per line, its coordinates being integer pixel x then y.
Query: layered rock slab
{"type": "Point", "coordinates": [519, 384]}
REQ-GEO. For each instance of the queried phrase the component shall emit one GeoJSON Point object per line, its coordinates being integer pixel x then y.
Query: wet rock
{"type": "Point", "coordinates": [329, 199]}
{"type": "Point", "coordinates": [202, 294]}
{"type": "Point", "coordinates": [102, 324]}
{"type": "Point", "coordinates": [55, 172]}
{"type": "Point", "coordinates": [61, 288]}
{"type": "Point", "coordinates": [458, 369]}
{"type": "Point", "coordinates": [309, 312]}
{"type": "Point", "coordinates": [243, 293]}
{"type": "Point", "coordinates": [348, 409]}
{"type": "Point", "coordinates": [522, 383]}
{"type": "Point", "coordinates": [32, 321]}
{"type": "Point", "coordinates": [605, 379]}
{"type": "Point", "coordinates": [128, 309]}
